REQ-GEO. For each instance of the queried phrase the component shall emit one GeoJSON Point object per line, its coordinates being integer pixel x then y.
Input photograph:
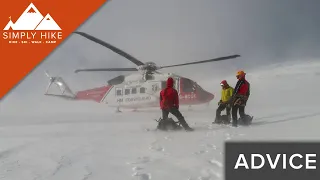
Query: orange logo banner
{"type": "Point", "coordinates": [31, 30]}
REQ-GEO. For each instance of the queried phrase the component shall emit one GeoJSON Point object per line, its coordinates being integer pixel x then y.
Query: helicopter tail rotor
{"type": "Point", "coordinates": [65, 91]}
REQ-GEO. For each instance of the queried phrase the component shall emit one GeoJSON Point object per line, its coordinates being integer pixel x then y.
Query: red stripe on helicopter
{"type": "Point", "coordinates": [95, 94]}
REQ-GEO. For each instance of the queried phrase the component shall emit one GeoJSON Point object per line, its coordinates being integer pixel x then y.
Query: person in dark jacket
{"type": "Point", "coordinates": [169, 103]}
{"type": "Point", "coordinates": [240, 97]}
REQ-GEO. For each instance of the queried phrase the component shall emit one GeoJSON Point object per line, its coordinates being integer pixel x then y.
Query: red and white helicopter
{"type": "Point", "coordinates": [138, 90]}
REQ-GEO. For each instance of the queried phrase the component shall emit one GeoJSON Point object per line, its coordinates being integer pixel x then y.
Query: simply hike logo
{"type": "Point", "coordinates": [32, 28]}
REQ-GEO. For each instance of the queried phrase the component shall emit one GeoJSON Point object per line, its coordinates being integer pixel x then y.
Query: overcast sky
{"type": "Point", "coordinates": [178, 31]}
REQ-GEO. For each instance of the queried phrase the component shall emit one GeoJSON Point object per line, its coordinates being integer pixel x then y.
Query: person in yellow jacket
{"type": "Point", "coordinates": [224, 103]}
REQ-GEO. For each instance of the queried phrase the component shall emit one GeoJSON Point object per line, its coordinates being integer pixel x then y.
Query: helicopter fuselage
{"type": "Point", "coordinates": [139, 93]}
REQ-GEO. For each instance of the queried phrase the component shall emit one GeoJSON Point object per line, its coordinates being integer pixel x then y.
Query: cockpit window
{"type": "Point", "coordinates": [198, 86]}
{"type": "Point", "coordinates": [188, 85]}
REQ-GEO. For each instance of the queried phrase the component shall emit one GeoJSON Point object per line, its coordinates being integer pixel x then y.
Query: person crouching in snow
{"type": "Point", "coordinates": [169, 103]}
{"type": "Point", "coordinates": [224, 103]}
{"type": "Point", "coordinates": [240, 97]}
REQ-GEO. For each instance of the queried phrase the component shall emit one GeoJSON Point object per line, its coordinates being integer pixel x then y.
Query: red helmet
{"type": "Point", "coordinates": [223, 83]}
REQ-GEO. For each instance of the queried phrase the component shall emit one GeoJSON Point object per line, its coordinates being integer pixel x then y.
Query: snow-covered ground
{"type": "Point", "coordinates": [91, 142]}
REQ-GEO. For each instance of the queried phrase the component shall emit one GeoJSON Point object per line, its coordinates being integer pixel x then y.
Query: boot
{"type": "Point", "coordinates": [217, 120]}
{"type": "Point", "coordinates": [188, 129]}
{"type": "Point", "coordinates": [228, 119]}
{"type": "Point", "coordinates": [246, 120]}
{"type": "Point", "coordinates": [185, 125]}
{"type": "Point", "coordinates": [234, 123]}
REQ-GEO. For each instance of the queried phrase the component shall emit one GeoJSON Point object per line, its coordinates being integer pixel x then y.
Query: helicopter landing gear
{"type": "Point", "coordinates": [118, 110]}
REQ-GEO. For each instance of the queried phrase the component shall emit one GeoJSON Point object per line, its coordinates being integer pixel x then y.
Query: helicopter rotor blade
{"type": "Point", "coordinates": [204, 61]}
{"type": "Point", "coordinates": [111, 47]}
{"type": "Point", "coordinates": [107, 69]}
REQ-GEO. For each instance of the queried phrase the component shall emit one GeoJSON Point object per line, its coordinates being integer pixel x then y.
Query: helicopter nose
{"type": "Point", "coordinates": [210, 96]}
{"type": "Point", "coordinates": [205, 96]}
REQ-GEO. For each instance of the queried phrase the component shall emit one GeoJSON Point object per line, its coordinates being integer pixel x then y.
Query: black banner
{"type": "Point", "coordinates": [272, 161]}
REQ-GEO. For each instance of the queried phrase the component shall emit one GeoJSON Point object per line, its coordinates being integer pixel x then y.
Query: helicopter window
{"type": "Point", "coordinates": [149, 77]}
{"type": "Point", "coordinates": [187, 85]}
{"type": "Point", "coordinates": [134, 91]}
{"type": "Point", "coordinates": [155, 87]}
{"type": "Point", "coordinates": [126, 91]}
{"type": "Point", "coordinates": [119, 92]}
{"type": "Point", "coordinates": [142, 90]}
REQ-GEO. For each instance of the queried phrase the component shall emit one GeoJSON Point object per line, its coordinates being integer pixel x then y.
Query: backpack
{"type": "Point", "coordinates": [168, 124]}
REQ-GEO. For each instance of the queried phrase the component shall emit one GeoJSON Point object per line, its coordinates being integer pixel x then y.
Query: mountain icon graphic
{"type": "Point", "coordinates": [32, 19]}
{"type": "Point", "coordinates": [48, 24]}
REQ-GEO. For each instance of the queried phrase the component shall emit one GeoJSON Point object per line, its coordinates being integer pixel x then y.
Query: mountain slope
{"type": "Point", "coordinates": [92, 142]}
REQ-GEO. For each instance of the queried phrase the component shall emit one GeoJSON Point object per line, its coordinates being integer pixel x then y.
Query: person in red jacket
{"type": "Point", "coordinates": [240, 97]}
{"type": "Point", "coordinates": [169, 103]}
